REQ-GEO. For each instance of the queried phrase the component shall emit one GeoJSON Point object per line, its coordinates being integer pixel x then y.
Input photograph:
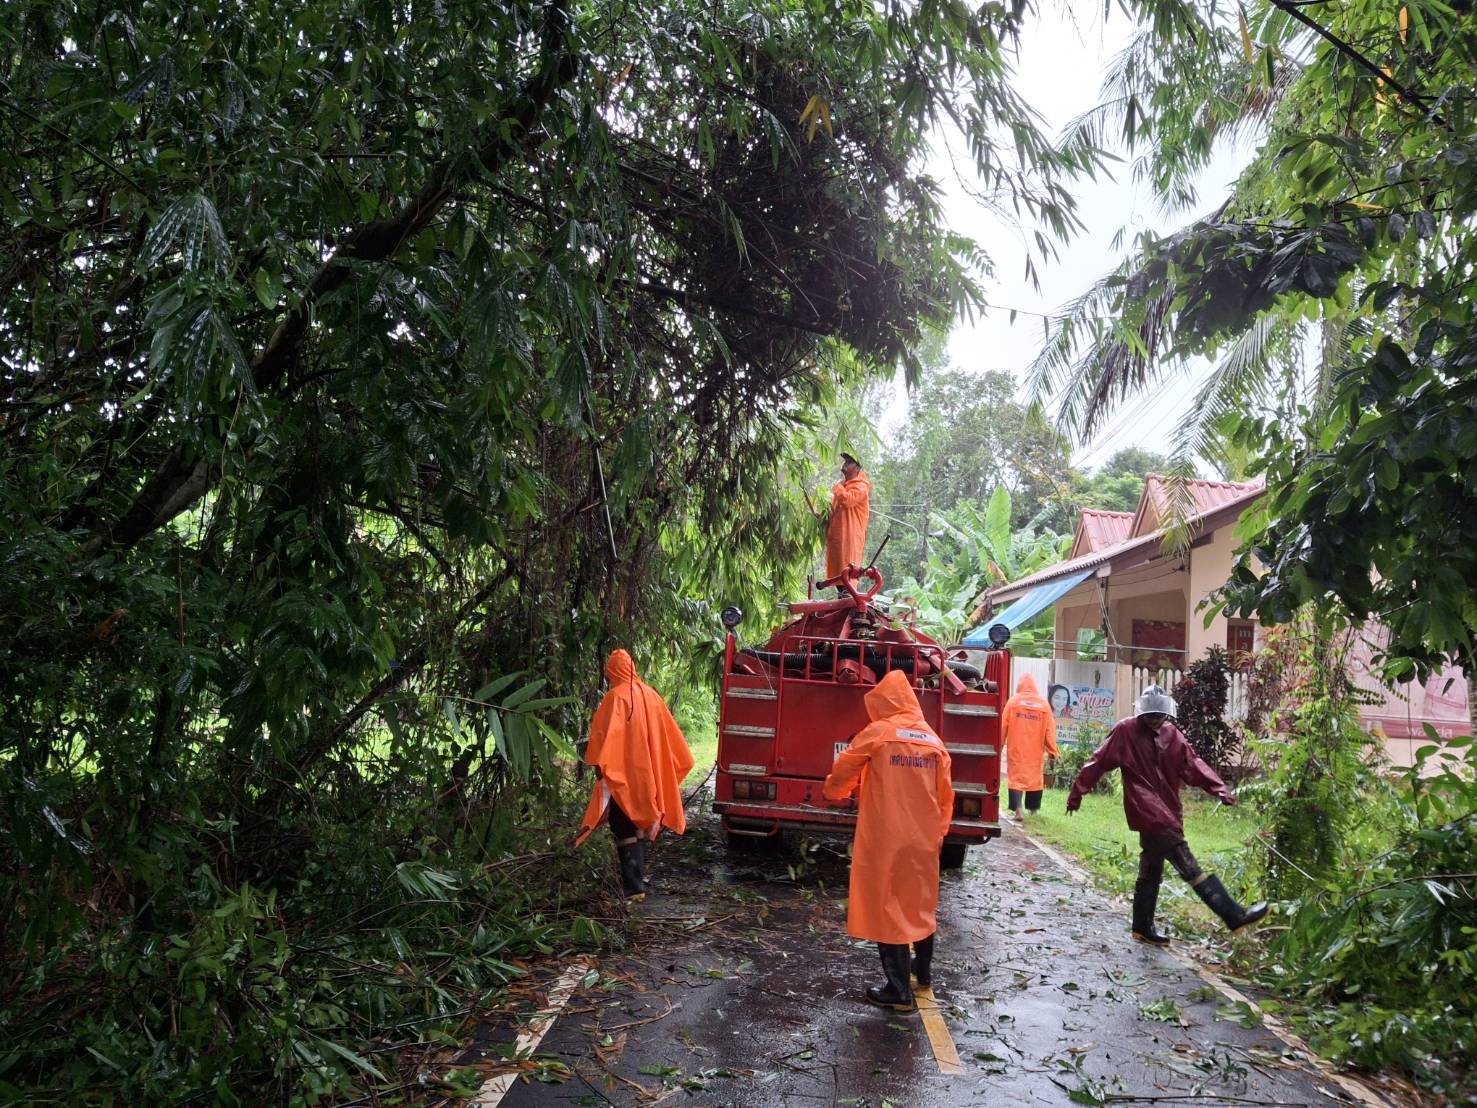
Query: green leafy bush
{"type": "Point", "coordinates": [392, 930]}
{"type": "Point", "coordinates": [1320, 772]}
{"type": "Point", "coordinates": [1070, 760]}
{"type": "Point", "coordinates": [1200, 699]}
{"type": "Point", "coordinates": [1383, 952]}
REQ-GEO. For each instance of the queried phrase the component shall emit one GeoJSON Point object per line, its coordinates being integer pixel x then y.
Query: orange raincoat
{"type": "Point", "coordinates": [900, 770]}
{"type": "Point", "coordinates": [846, 533]}
{"type": "Point", "coordinates": [1028, 733]}
{"type": "Point", "coordinates": [641, 755]}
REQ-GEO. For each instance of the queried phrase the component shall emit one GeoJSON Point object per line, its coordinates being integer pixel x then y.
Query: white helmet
{"type": "Point", "coordinates": [1154, 701]}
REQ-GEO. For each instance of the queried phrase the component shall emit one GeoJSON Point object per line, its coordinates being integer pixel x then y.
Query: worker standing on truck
{"type": "Point", "coordinates": [640, 758]}
{"type": "Point", "coordinates": [846, 531]}
{"type": "Point", "coordinates": [1156, 760]}
{"type": "Point", "coordinates": [1028, 733]}
{"type": "Point", "coordinates": [899, 771]}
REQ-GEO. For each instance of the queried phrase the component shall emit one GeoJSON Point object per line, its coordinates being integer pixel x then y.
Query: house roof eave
{"type": "Point", "coordinates": [1127, 554]}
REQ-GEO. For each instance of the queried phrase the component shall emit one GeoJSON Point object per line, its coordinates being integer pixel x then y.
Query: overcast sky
{"type": "Point", "coordinates": [1060, 72]}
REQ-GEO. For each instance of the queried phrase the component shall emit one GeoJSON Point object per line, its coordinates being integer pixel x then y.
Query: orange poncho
{"type": "Point", "coordinates": [641, 755]}
{"type": "Point", "coordinates": [846, 534]}
{"type": "Point", "coordinates": [1028, 732]}
{"type": "Point", "coordinates": [901, 770]}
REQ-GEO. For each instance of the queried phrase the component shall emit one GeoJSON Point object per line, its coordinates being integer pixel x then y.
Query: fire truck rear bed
{"type": "Point", "coordinates": [780, 728]}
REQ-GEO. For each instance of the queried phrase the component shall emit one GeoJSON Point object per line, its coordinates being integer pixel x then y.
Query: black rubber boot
{"type": "Point", "coordinates": [923, 962]}
{"type": "Point", "coordinates": [1145, 901]}
{"type": "Point", "coordinates": [633, 868]}
{"type": "Point", "coordinates": [897, 994]}
{"type": "Point", "coordinates": [1219, 901]}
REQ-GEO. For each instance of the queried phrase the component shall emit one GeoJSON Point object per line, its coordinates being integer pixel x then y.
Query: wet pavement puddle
{"type": "Point", "coordinates": [741, 987]}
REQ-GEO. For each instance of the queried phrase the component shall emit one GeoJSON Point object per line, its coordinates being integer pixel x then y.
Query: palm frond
{"type": "Point", "coordinates": [1242, 379]}
{"type": "Point", "coordinates": [1095, 355]}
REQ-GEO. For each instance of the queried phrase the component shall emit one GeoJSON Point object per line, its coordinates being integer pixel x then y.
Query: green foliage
{"type": "Point", "coordinates": [366, 373]}
{"type": "Point", "coordinates": [1111, 493]}
{"type": "Point", "coordinates": [1200, 700]}
{"type": "Point", "coordinates": [976, 549]}
{"type": "Point", "coordinates": [965, 435]}
{"type": "Point", "coordinates": [1134, 461]}
{"type": "Point", "coordinates": [1383, 951]}
{"type": "Point", "coordinates": [1318, 772]}
{"type": "Point", "coordinates": [389, 931]}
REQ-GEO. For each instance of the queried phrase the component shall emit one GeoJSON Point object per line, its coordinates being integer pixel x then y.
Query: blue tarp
{"type": "Point", "coordinates": [1032, 604]}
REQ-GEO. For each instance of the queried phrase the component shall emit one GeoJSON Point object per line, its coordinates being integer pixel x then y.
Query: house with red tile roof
{"type": "Point", "coordinates": [1123, 576]}
{"type": "Point", "coordinates": [1142, 579]}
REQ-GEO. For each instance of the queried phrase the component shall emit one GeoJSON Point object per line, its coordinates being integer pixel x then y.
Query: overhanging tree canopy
{"type": "Point", "coordinates": [358, 359]}
{"type": "Point", "coordinates": [1350, 232]}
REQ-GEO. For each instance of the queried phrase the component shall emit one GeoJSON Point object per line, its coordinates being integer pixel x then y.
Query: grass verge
{"type": "Point", "coordinates": [1099, 838]}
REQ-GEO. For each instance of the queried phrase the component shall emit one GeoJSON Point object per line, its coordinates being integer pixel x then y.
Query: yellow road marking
{"type": "Point", "coordinates": [944, 1051]}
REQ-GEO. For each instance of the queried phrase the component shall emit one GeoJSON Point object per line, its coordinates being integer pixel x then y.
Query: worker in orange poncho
{"type": "Point", "coordinates": [1028, 734]}
{"type": "Point", "coordinates": [900, 772]}
{"type": "Point", "coordinates": [846, 531]}
{"type": "Point", "coordinates": [640, 759]}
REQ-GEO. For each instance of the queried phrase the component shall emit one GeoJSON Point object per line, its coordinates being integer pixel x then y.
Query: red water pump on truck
{"type": "Point", "coordinates": [789, 707]}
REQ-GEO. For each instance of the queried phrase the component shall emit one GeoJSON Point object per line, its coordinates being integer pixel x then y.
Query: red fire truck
{"type": "Point", "coordinates": [789, 707]}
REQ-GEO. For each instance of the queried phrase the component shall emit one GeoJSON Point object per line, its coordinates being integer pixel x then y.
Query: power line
{"type": "Point", "coordinates": [1106, 442]}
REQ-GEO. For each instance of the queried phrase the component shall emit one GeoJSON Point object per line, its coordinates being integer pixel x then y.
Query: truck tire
{"type": "Point", "coordinates": [951, 855]}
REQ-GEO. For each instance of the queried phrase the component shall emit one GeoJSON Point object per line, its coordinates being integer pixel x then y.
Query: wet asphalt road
{"type": "Point", "coordinates": [741, 987]}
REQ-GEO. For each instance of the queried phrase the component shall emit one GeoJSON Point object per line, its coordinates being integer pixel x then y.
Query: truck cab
{"type": "Point", "coordinates": [788, 708]}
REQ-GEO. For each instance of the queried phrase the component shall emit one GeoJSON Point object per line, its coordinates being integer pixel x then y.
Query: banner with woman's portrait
{"type": "Point", "coordinates": [1083, 701]}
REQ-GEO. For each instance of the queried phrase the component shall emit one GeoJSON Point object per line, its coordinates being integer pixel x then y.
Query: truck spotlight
{"type": "Point", "coordinates": [999, 634]}
{"type": "Point", "coordinates": [731, 617]}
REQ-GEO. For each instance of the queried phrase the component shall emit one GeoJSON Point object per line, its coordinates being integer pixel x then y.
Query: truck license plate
{"type": "Point", "coordinates": [839, 748]}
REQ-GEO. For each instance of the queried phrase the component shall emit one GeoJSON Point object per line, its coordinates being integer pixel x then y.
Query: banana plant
{"type": "Point", "coordinates": [975, 550]}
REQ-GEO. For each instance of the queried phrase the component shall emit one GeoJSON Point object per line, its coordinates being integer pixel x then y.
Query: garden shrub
{"type": "Point", "coordinates": [1384, 947]}
{"type": "Point", "coordinates": [1378, 943]}
{"type": "Point", "coordinates": [1200, 698]}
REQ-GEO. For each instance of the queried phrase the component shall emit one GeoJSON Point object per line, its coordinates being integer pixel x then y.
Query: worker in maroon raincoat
{"type": "Point", "coordinates": [1156, 760]}
{"type": "Point", "coordinates": [899, 771]}
{"type": "Point", "coordinates": [640, 758]}
{"type": "Point", "coordinates": [1028, 733]}
{"type": "Point", "coordinates": [846, 531]}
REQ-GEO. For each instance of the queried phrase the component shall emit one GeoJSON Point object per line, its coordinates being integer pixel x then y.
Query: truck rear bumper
{"type": "Point", "coordinates": [767, 818]}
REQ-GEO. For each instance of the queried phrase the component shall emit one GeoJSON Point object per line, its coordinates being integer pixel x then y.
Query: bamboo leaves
{"type": "Point", "coordinates": [818, 113]}
{"type": "Point", "coordinates": [522, 739]}
{"type": "Point", "coordinates": [189, 231]}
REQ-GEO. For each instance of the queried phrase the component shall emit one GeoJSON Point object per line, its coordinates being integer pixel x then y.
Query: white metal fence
{"type": "Point", "coordinates": [1128, 682]}
{"type": "Point", "coordinates": [1039, 668]}
{"type": "Point", "coordinates": [1140, 678]}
